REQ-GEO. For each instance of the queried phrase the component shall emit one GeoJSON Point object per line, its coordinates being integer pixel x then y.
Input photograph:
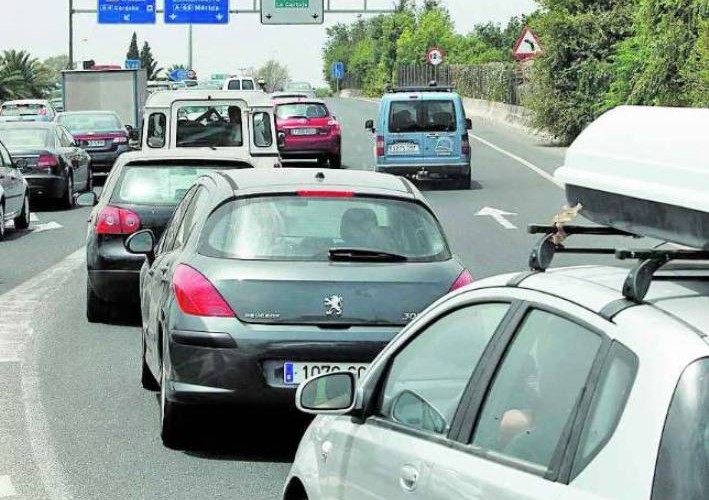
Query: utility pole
{"type": "Point", "coordinates": [190, 60]}
{"type": "Point", "coordinates": [71, 34]}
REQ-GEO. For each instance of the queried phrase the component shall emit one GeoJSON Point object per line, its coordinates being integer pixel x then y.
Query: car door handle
{"type": "Point", "coordinates": [409, 478]}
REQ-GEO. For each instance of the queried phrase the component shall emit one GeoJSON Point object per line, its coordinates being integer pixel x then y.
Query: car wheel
{"type": "Point", "coordinates": [90, 180]}
{"type": "Point", "coordinates": [97, 310]}
{"type": "Point", "coordinates": [336, 161]}
{"type": "Point", "coordinates": [171, 416]}
{"type": "Point", "coordinates": [464, 182]}
{"type": "Point", "coordinates": [146, 376]}
{"type": "Point", "coordinates": [2, 222]}
{"type": "Point", "coordinates": [23, 220]}
{"type": "Point", "coordinates": [68, 198]}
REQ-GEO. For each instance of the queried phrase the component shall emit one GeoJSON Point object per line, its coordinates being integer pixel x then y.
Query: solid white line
{"type": "Point", "coordinates": [6, 488]}
{"type": "Point", "coordinates": [518, 159]}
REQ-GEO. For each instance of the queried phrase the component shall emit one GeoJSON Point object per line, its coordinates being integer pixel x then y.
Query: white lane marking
{"type": "Point", "coordinates": [518, 159]}
{"type": "Point", "coordinates": [47, 226]}
{"type": "Point", "coordinates": [34, 217]}
{"type": "Point", "coordinates": [6, 488]}
{"type": "Point", "coordinates": [498, 216]}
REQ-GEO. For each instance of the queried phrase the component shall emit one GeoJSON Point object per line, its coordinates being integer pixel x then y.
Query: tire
{"type": "Point", "coordinates": [2, 222]}
{"type": "Point", "coordinates": [335, 161]}
{"type": "Point", "coordinates": [97, 310]}
{"type": "Point", "coordinates": [22, 221]}
{"type": "Point", "coordinates": [90, 180]}
{"type": "Point", "coordinates": [68, 197]}
{"type": "Point", "coordinates": [147, 380]}
{"type": "Point", "coordinates": [464, 182]}
{"type": "Point", "coordinates": [171, 417]}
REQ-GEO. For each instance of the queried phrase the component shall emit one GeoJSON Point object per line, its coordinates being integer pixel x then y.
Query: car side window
{"type": "Point", "coordinates": [5, 160]}
{"type": "Point", "coordinates": [157, 123]}
{"type": "Point", "coordinates": [536, 390]}
{"type": "Point", "coordinates": [427, 378]}
{"type": "Point", "coordinates": [189, 219]}
{"type": "Point", "coordinates": [607, 405]}
{"type": "Point", "coordinates": [68, 138]}
{"type": "Point", "coordinates": [263, 135]}
{"type": "Point", "coordinates": [167, 242]}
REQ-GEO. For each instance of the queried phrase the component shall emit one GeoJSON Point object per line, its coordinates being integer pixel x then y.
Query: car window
{"type": "Point", "coordinates": [4, 157]}
{"type": "Point", "coordinates": [24, 109]}
{"type": "Point", "coordinates": [234, 85]}
{"type": "Point", "coordinates": [188, 221]}
{"type": "Point", "coordinates": [209, 126]}
{"type": "Point", "coordinates": [263, 134]}
{"type": "Point", "coordinates": [682, 471]}
{"type": "Point", "coordinates": [168, 238]}
{"type": "Point", "coordinates": [91, 123]}
{"type": "Point", "coordinates": [304, 228]}
{"type": "Point", "coordinates": [536, 389]}
{"type": "Point", "coordinates": [156, 130]}
{"type": "Point", "coordinates": [156, 185]}
{"type": "Point", "coordinates": [427, 378]}
{"type": "Point", "coordinates": [26, 137]}
{"type": "Point", "coordinates": [247, 85]}
{"type": "Point", "coordinates": [301, 110]}
{"type": "Point", "coordinates": [607, 405]}
{"type": "Point", "coordinates": [422, 116]}
{"type": "Point", "coordinates": [67, 139]}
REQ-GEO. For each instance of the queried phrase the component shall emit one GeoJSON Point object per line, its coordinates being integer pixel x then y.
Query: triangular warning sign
{"type": "Point", "coordinates": [527, 45]}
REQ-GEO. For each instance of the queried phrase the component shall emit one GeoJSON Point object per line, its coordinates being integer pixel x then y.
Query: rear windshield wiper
{"type": "Point", "coordinates": [364, 254]}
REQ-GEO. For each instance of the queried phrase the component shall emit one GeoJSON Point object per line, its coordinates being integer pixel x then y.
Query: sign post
{"type": "Point", "coordinates": [196, 11]}
{"type": "Point", "coordinates": [292, 11]}
{"type": "Point", "coordinates": [338, 73]}
{"type": "Point", "coordinates": [126, 11]}
{"type": "Point", "coordinates": [527, 45]}
{"type": "Point", "coordinates": [435, 57]}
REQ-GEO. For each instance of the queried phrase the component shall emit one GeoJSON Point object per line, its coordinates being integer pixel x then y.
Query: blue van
{"type": "Point", "coordinates": [422, 132]}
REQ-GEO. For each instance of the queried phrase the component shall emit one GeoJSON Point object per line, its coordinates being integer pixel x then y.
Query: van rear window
{"type": "Point", "coordinates": [422, 116]}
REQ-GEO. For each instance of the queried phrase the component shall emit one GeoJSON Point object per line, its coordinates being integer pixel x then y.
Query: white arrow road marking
{"type": "Point", "coordinates": [33, 217]}
{"type": "Point", "coordinates": [498, 216]}
{"type": "Point", "coordinates": [48, 226]}
{"type": "Point", "coordinates": [6, 488]}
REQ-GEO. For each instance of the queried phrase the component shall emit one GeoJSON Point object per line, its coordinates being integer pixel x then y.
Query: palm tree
{"type": "Point", "coordinates": [23, 76]}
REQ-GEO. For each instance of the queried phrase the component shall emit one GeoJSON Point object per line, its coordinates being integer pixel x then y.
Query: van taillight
{"type": "Point", "coordinates": [465, 148]}
{"type": "Point", "coordinates": [114, 220]}
{"type": "Point", "coordinates": [197, 296]}
{"type": "Point", "coordinates": [380, 145]}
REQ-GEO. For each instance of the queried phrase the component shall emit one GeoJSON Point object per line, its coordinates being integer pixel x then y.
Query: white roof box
{"type": "Point", "coordinates": [644, 170]}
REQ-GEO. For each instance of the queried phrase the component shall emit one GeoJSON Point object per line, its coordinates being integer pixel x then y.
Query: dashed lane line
{"type": "Point", "coordinates": [7, 490]}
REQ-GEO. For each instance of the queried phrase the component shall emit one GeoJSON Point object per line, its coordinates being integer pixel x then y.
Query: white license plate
{"type": "Point", "coordinates": [96, 144]}
{"type": "Point", "coordinates": [403, 149]}
{"type": "Point", "coordinates": [305, 131]}
{"type": "Point", "coordinates": [297, 373]}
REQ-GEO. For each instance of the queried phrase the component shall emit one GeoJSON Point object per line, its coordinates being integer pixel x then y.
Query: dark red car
{"type": "Point", "coordinates": [307, 131]}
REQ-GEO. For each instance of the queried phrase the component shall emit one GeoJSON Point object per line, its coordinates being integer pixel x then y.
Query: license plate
{"type": "Point", "coordinates": [403, 149]}
{"type": "Point", "coordinates": [304, 131]}
{"type": "Point", "coordinates": [96, 144]}
{"type": "Point", "coordinates": [297, 373]}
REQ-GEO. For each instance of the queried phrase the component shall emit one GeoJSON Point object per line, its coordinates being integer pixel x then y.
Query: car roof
{"type": "Point", "coordinates": [166, 98]}
{"type": "Point", "coordinates": [27, 101]}
{"type": "Point", "coordinates": [263, 181]}
{"type": "Point", "coordinates": [96, 112]}
{"type": "Point", "coordinates": [183, 154]}
{"type": "Point", "coordinates": [424, 96]}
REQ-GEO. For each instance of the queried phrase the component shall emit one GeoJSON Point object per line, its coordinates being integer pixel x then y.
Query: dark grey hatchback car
{"type": "Point", "coordinates": [264, 278]}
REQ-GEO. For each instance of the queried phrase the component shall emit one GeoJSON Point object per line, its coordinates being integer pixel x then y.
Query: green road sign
{"type": "Point", "coordinates": [292, 4]}
{"type": "Point", "coordinates": [292, 11]}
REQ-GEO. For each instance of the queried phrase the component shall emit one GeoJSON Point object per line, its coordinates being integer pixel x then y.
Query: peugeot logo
{"type": "Point", "coordinates": [333, 305]}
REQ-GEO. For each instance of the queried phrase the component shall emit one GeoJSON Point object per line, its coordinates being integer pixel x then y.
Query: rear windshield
{"type": "Point", "coordinates": [295, 228]}
{"type": "Point", "coordinates": [23, 109]}
{"type": "Point", "coordinates": [247, 85]}
{"type": "Point", "coordinates": [156, 185]}
{"type": "Point", "coordinates": [299, 86]}
{"type": "Point", "coordinates": [209, 126]}
{"type": "Point", "coordinates": [422, 116]}
{"type": "Point", "coordinates": [301, 110]}
{"type": "Point", "coordinates": [84, 123]}
{"type": "Point", "coordinates": [28, 138]}
{"type": "Point", "coordinates": [682, 471]}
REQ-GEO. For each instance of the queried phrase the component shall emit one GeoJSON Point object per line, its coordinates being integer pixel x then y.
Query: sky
{"type": "Point", "coordinates": [41, 27]}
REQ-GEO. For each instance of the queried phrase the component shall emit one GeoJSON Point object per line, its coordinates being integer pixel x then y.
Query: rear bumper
{"type": "Point", "coordinates": [51, 186]}
{"type": "Point", "coordinates": [251, 371]}
{"type": "Point", "coordinates": [102, 162]}
{"type": "Point", "coordinates": [116, 286]}
{"type": "Point", "coordinates": [113, 273]}
{"type": "Point", "coordinates": [310, 148]}
{"type": "Point", "coordinates": [424, 170]}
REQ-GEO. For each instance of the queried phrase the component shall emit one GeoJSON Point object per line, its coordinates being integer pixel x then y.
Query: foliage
{"type": "Point", "coordinates": [23, 77]}
{"type": "Point", "coordinates": [55, 65]}
{"type": "Point", "coordinates": [171, 69]}
{"type": "Point", "coordinates": [148, 62]}
{"type": "Point", "coordinates": [274, 74]}
{"type": "Point", "coordinates": [133, 52]}
{"type": "Point", "coordinates": [323, 92]}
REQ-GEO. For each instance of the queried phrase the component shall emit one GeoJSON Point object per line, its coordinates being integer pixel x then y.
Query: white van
{"type": "Point", "coordinates": [240, 83]}
{"type": "Point", "coordinates": [215, 119]}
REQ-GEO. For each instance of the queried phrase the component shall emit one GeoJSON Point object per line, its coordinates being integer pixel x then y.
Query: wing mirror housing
{"type": "Point", "coordinates": [328, 394]}
{"type": "Point", "coordinates": [87, 199]}
{"type": "Point", "coordinates": [369, 125]}
{"type": "Point", "coordinates": [142, 243]}
{"type": "Point", "coordinates": [281, 140]}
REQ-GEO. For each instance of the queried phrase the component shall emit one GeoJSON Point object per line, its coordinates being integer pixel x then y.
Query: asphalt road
{"type": "Point", "coordinates": [74, 422]}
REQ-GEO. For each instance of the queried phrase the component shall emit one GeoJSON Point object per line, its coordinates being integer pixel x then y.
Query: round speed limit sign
{"type": "Point", "coordinates": [435, 56]}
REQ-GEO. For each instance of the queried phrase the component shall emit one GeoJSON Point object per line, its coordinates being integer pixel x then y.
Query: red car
{"type": "Point", "coordinates": [307, 130]}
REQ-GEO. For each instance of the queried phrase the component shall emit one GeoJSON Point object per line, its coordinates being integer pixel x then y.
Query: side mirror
{"type": "Point", "coordinates": [141, 243]}
{"type": "Point", "coordinates": [87, 199]}
{"type": "Point", "coordinates": [414, 411]}
{"type": "Point", "coordinates": [469, 124]}
{"type": "Point", "coordinates": [369, 125]}
{"type": "Point", "coordinates": [281, 140]}
{"type": "Point", "coordinates": [328, 394]}
{"type": "Point", "coordinates": [156, 142]}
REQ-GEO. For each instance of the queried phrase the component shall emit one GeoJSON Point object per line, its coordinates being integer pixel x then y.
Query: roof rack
{"type": "Point", "coordinates": [640, 276]}
{"type": "Point", "coordinates": [431, 87]}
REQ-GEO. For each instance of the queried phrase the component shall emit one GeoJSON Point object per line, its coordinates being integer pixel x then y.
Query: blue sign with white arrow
{"type": "Point", "coordinates": [133, 64]}
{"type": "Point", "coordinates": [338, 70]}
{"type": "Point", "coordinates": [179, 75]}
{"type": "Point", "coordinates": [126, 11]}
{"type": "Point", "coordinates": [196, 11]}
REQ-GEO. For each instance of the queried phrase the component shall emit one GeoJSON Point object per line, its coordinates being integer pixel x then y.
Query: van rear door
{"type": "Point", "coordinates": [403, 140]}
{"type": "Point", "coordinates": [442, 140]}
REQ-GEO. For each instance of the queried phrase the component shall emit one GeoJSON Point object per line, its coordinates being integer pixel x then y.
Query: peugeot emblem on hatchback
{"type": "Point", "coordinates": [333, 305]}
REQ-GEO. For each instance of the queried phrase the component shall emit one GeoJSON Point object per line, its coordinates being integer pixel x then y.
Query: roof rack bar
{"type": "Point", "coordinates": [668, 255]}
{"type": "Point", "coordinates": [589, 230]}
{"type": "Point", "coordinates": [436, 88]}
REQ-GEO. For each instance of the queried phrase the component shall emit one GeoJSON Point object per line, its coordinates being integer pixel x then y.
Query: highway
{"type": "Point", "coordinates": [74, 421]}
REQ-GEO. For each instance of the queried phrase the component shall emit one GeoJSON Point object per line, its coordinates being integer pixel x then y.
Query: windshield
{"type": "Point", "coordinates": [91, 123]}
{"type": "Point", "coordinates": [422, 116]}
{"type": "Point", "coordinates": [156, 185]}
{"type": "Point", "coordinates": [210, 126]}
{"type": "Point", "coordinates": [27, 138]}
{"type": "Point", "coordinates": [23, 109]}
{"type": "Point", "coordinates": [301, 110]}
{"type": "Point", "coordinates": [299, 86]}
{"type": "Point", "coordinates": [682, 471]}
{"type": "Point", "coordinates": [302, 228]}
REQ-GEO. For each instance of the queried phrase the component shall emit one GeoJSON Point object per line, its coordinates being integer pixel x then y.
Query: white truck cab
{"type": "Point", "coordinates": [213, 119]}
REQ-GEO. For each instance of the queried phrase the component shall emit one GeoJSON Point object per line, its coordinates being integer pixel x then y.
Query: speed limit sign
{"type": "Point", "coordinates": [435, 56]}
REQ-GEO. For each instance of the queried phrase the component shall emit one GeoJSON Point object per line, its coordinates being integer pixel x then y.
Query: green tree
{"type": "Point", "coordinates": [55, 65]}
{"type": "Point", "coordinates": [133, 52]}
{"type": "Point", "coordinates": [148, 62]}
{"type": "Point", "coordinates": [275, 75]}
{"type": "Point", "coordinates": [175, 67]}
{"type": "Point", "coordinates": [23, 76]}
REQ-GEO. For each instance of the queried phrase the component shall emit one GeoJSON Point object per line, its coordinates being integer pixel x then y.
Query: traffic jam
{"type": "Point", "coordinates": [303, 295]}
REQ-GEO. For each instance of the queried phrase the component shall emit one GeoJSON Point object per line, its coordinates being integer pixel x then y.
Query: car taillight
{"type": "Point", "coordinates": [380, 145]}
{"type": "Point", "coordinates": [464, 279]}
{"type": "Point", "coordinates": [114, 220]}
{"type": "Point", "coordinates": [197, 296]}
{"type": "Point", "coordinates": [120, 140]}
{"type": "Point", "coordinates": [47, 162]}
{"type": "Point", "coordinates": [42, 112]}
{"type": "Point", "coordinates": [465, 149]}
{"type": "Point", "coordinates": [326, 194]}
